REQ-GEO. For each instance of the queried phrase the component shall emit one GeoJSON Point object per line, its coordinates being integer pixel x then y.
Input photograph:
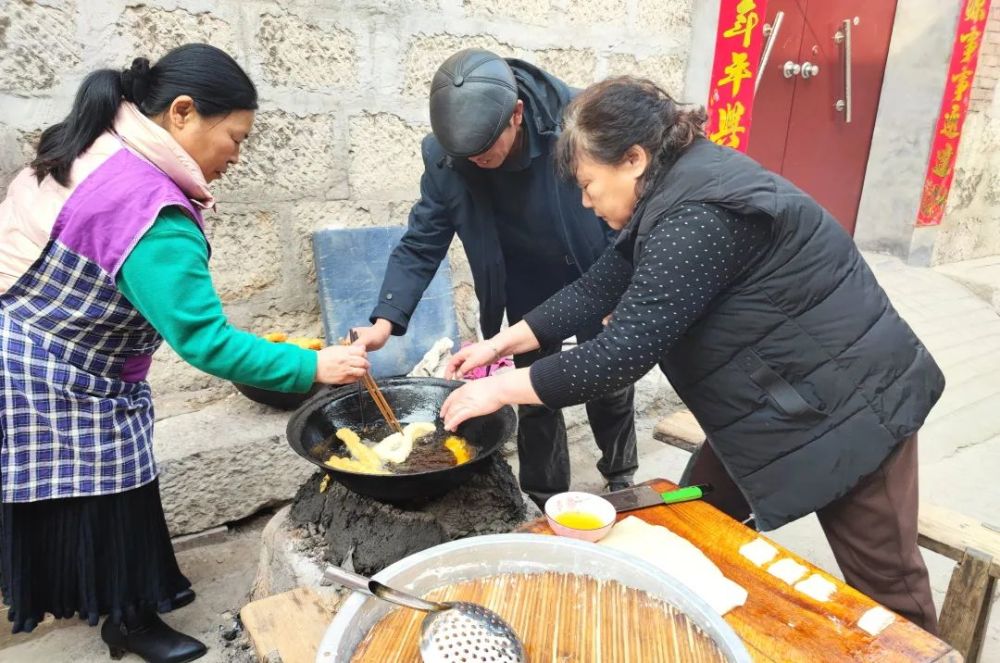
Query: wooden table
{"type": "Point", "coordinates": [777, 622]}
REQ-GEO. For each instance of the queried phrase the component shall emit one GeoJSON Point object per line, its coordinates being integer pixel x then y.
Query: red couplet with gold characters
{"type": "Point", "coordinates": [954, 106]}
{"type": "Point", "coordinates": [738, 47]}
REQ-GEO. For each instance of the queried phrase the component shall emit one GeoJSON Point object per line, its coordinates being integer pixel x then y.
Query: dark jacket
{"type": "Point", "coordinates": [454, 198]}
{"type": "Point", "coordinates": [802, 374]}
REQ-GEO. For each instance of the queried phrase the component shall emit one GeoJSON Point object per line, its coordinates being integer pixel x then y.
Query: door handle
{"type": "Point", "coordinates": [843, 37]}
{"type": "Point", "coordinates": [772, 33]}
{"type": "Point", "coordinates": [791, 69]}
{"type": "Point", "coordinates": [810, 70]}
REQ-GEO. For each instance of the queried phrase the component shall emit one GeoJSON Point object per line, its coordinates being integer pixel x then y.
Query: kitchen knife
{"type": "Point", "coordinates": [639, 497]}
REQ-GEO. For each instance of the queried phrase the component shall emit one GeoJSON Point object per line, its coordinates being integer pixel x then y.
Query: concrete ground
{"type": "Point", "coordinates": [221, 574]}
{"type": "Point", "coordinates": [959, 451]}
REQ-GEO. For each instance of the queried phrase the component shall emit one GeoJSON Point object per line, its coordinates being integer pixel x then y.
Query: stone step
{"type": "Point", "coordinates": [224, 463]}
{"type": "Point", "coordinates": [981, 276]}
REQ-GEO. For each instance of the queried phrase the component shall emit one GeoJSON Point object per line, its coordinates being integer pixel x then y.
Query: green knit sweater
{"type": "Point", "coordinates": [166, 278]}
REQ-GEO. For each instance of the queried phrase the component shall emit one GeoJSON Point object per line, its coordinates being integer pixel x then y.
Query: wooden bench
{"type": "Point", "coordinates": [975, 546]}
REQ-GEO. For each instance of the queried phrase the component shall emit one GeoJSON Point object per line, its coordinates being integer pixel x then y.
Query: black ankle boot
{"type": "Point", "coordinates": [179, 600]}
{"type": "Point", "coordinates": [148, 637]}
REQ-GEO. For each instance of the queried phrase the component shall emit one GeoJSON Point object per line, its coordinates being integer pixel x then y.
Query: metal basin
{"type": "Point", "coordinates": [475, 557]}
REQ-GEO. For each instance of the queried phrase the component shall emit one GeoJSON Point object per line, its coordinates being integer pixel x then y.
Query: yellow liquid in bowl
{"type": "Point", "coordinates": [579, 520]}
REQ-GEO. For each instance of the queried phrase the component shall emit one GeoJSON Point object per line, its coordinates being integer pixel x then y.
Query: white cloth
{"type": "Point", "coordinates": [679, 558]}
{"type": "Point", "coordinates": [435, 360]}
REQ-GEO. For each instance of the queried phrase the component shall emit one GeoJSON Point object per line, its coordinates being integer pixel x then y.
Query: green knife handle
{"type": "Point", "coordinates": [682, 495]}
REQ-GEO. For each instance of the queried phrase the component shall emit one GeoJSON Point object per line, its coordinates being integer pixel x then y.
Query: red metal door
{"type": "Point", "coordinates": [843, 45]}
{"type": "Point", "coordinates": [772, 108]}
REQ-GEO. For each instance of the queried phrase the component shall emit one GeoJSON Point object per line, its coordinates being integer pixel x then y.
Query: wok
{"type": "Point", "coordinates": [311, 434]}
{"type": "Point", "coordinates": [277, 399]}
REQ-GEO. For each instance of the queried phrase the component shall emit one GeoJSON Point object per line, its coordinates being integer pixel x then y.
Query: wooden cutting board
{"type": "Point", "coordinates": [778, 623]}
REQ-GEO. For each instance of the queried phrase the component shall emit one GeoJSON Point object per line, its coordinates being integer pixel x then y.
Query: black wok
{"type": "Point", "coordinates": [312, 426]}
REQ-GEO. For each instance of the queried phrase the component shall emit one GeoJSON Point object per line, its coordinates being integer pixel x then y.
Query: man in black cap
{"type": "Point", "coordinates": [489, 176]}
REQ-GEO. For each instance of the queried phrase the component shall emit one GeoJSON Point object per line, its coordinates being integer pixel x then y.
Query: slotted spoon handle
{"type": "Point", "coordinates": [374, 588]}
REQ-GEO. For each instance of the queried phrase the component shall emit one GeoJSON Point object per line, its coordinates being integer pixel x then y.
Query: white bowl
{"type": "Point", "coordinates": [585, 502]}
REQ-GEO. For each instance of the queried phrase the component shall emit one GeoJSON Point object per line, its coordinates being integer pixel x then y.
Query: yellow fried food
{"type": "Point", "coordinates": [394, 448]}
{"type": "Point", "coordinates": [459, 448]}
{"type": "Point", "coordinates": [351, 465]}
{"type": "Point", "coordinates": [306, 343]}
{"type": "Point", "coordinates": [360, 451]}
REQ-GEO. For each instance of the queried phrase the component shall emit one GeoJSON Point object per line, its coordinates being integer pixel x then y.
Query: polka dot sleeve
{"type": "Point", "coordinates": [584, 302]}
{"type": "Point", "coordinates": [689, 258]}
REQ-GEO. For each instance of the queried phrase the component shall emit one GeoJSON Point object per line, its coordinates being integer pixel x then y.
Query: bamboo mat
{"type": "Point", "coordinates": [559, 617]}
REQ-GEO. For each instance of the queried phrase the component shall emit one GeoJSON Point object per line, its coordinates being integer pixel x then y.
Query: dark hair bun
{"type": "Point", "coordinates": [136, 81]}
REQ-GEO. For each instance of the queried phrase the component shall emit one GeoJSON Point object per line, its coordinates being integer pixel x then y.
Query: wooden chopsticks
{"type": "Point", "coordinates": [380, 402]}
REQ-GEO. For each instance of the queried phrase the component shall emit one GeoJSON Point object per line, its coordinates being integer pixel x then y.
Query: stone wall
{"type": "Point", "coordinates": [343, 108]}
{"type": "Point", "coordinates": [971, 226]}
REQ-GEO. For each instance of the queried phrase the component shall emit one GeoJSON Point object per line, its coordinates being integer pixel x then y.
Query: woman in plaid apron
{"type": "Point", "coordinates": [102, 257]}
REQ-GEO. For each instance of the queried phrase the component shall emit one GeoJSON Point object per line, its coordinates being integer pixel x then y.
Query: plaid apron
{"type": "Point", "coordinates": [76, 414]}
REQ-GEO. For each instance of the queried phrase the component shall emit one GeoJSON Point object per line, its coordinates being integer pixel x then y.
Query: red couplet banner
{"type": "Point", "coordinates": [954, 106]}
{"type": "Point", "coordinates": [738, 46]}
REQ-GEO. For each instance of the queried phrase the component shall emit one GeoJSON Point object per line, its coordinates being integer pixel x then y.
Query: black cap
{"type": "Point", "coordinates": [473, 95]}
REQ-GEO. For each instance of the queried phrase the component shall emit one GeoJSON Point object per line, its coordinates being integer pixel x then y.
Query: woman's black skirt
{"type": "Point", "coordinates": [87, 556]}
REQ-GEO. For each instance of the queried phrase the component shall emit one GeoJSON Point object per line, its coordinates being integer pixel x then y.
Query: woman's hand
{"type": "Point", "coordinates": [514, 340]}
{"type": "Point", "coordinates": [473, 399]}
{"type": "Point", "coordinates": [341, 364]}
{"type": "Point", "coordinates": [480, 397]}
{"type": "Point", "coordinates": [470, 357]}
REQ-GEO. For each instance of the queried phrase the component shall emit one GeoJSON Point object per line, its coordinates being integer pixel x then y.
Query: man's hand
{"type": "Point", "coordinates": [374, 337]}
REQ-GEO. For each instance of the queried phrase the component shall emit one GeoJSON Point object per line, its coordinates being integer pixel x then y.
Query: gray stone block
{"type": "Point", "coordinates": [152, 31]}
{"type": "Point", "coordinates": [597, 13]}
{"type": "Point", "coordinates": [534, 12]}
{"type": "Point", "coordinates": [246, 250]}
{"type": "Point", "coordinates": [385, 157]}
{"type": "Point", "coordinates": [425, 54]}
{"type": "Point", "coordinates": [667, 71]}
{"type": "Point", "coordinates": [575, 66]}
{"type": "Point", "coordinates": [37, 44]}
{"type": "Point", "coordinates": [288, 157]}
{"type": "Point", "coordinates": [224, 463]}
{"type": "Point", "coordinates": [307, 55]}
{"type": "Point", "coordinates": [670, 18]}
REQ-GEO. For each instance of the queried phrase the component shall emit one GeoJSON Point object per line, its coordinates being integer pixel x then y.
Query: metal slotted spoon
{"type": "Point", "coordinates": [452, 632]}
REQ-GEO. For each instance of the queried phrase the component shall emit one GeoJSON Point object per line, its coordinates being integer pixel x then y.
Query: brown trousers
{"type": "Point", "coordinates": [872, 530]}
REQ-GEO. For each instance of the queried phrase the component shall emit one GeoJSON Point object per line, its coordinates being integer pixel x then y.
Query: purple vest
{"type": "Point", "coordinates": [76, 415]}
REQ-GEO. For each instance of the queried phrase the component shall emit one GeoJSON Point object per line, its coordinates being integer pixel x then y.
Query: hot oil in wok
{"type": "Point", "coordinates": [429, 451]}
